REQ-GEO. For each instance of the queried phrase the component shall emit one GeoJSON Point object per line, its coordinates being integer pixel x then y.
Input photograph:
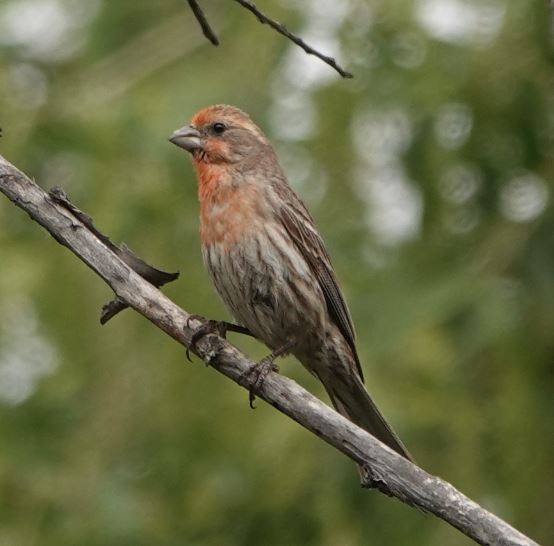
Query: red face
{"type": "Point", "coordinates": [219, 134]}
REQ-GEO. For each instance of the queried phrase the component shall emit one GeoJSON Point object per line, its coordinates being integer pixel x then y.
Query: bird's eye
{"type": "Point", "coordinates": [218, 127]}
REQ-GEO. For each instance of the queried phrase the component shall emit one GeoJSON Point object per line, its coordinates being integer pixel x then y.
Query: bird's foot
{"type": "Point", "coordinates": [255, 376]}
{"type": "Point", "coordinates": [208, 326]}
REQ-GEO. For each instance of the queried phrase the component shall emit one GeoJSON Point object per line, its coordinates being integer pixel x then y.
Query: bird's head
{"type": "Point", "coordinates": [221, 134]}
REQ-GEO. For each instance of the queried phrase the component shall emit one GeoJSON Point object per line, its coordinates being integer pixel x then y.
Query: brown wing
{"type": "Point", "coordinates": [301, 228]}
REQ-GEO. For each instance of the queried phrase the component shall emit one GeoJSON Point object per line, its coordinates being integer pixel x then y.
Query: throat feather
{"type": "Point", "coordinates": [228, 211]}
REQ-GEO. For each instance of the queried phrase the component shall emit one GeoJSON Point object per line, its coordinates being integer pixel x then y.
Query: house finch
{"type": "Point", "coordinates": [269, 263]}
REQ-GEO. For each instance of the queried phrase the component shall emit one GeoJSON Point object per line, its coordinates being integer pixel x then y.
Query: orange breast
{"type": "Point", "coordinates": [228, 212]}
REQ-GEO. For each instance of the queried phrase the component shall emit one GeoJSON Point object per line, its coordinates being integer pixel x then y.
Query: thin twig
{"type": "Point", "coordinates": [282, 29]}
{"type": "Point", "coordinates": [154, 276]}
{"type": "Point", "coordinates": [388, 472]}
{"type": "Point", "coordinates": [203, 22]}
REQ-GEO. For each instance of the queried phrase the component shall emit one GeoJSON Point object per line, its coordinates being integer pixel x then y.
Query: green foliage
{"type": "Point", "coordinates": [429, 175]}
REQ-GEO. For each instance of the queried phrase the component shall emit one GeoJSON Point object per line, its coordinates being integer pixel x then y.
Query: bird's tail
{"type": "Point", "coordinates": [350, 399]}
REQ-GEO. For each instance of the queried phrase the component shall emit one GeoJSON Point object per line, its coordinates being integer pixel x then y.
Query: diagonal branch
{"type": "Point", "coordinates": [282, 29]}
{"type": "Point", "coordinates": [151, 274]}
{"type": "Point", "coordinates": [389, 472]}
{"type": "Point", "coordinates": [275, 25]}
{"type": "Point", "coordinates": [207, 30]}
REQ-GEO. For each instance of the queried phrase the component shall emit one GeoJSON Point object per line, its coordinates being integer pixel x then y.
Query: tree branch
{"type": "Point", "coordinates": [203, 22]}
{"type": "Point", "coordinates": [151, 274]}
{"type": "Point", "coordinates": [275, 25]}
{"type": "Point", "coordinates": [282, 29]}
{"type": "Point", "coordinates": [389, 472]}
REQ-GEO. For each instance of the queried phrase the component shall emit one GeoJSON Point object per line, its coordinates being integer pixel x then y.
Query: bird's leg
{"type": "Point", "coordinates": [256, 375]}
{"type": "Point", "coordinates": [219, 327]}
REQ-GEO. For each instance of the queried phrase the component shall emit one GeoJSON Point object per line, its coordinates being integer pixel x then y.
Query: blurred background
{"type": "Point", "coordinates": [430, 176]}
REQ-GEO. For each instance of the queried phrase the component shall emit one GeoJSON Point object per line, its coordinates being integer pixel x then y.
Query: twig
{"type": "Point", "coordinates": [282, 29]}
{"type": "Point", "coordinates": [389, 473]}
{"type": "Point", "coordinates": [151, 274]}
{"type": "Point", "coordinates": [266, 20]}
{"type": "Point", "coordinates": [203, 22]}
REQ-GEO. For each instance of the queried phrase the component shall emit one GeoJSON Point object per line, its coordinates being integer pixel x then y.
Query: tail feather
{"type": "Point", "coordinates": [350, 399]}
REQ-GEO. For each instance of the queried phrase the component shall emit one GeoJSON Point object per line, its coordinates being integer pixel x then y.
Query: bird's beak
{"type": "Point", "coordinates": [187, 137]}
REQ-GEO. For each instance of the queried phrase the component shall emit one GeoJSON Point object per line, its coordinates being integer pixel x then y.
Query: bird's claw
{"type": "Point", "coordinates": [256, 375]}
{"type": "Point", "coordinates": [207, 327]}
{"type": "Point", "coordinates": [194, 317]}
{"type": "Point", "coordinates": [220, 327]}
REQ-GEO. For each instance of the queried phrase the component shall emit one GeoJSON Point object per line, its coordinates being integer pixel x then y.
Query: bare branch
{"type": "Point", "coordinates": [282, 29]}
{"type": "Point", "coordinates": [151, 274]}
{"type": "Point", "coordinates": [203, 22]}
{"type": "Point", "coordinates": [266, 20]}
{"type": "Point", "coordinates": [389, 473]}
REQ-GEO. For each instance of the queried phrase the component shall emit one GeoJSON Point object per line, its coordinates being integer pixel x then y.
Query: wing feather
{"type": "Point", "coordinates": [301, 228]}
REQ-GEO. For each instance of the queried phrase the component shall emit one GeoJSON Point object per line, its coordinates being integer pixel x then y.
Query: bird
{"type": "Point", "coordinates": [269, 263]}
